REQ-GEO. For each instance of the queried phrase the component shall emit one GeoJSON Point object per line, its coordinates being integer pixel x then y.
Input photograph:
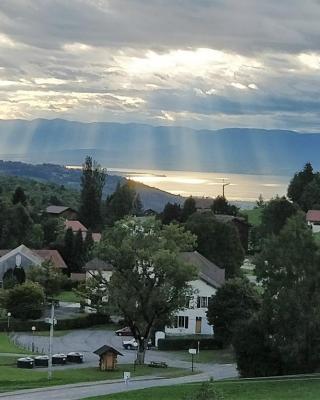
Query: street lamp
{"type": "Point", "coordinates": [33, 331]}
{"type": "Point", "coordinates": [9, 315]}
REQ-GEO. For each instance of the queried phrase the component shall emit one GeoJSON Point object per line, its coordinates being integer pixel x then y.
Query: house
{"type": "Point", "coordinates": [62, 211]}
{"type": "Point", "coordinates": [313, 220]}
{"type": "Point", "coordinates": [76, 226]}
{"type": "Point", "coordinates": [23, 257]}
{"type": "Point", "coordinates": [108, 357]}
{"type": "Point", "coordinates": [193, 318]}
{"type": "Point", "coordinates": [241, 224]}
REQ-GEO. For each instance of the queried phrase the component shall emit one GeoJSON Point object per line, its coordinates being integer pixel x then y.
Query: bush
{"type": "Point", "coordinates": [25, 301]}
{"type": "Point", "coordinates": [177, 343]}
{"type": "Point", "coordinates": [82, 322]}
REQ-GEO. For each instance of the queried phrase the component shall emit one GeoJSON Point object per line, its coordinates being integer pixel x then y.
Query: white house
{"type": "Point", "coordinates": [313, 219]}
{"type": "Point", "coordinates": [193, 319]}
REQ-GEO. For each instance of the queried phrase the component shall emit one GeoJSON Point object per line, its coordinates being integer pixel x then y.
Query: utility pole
{"type": "Point", "coordinates": [224, 184]}
{"type": "Point", "coordinates": [51, 322]}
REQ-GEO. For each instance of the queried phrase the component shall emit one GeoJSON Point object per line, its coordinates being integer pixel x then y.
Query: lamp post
{"type": "Point", "coordinates": [192, 352]}
{"type": "Point", "coordinates": [8, 315]}
{"type": "Point", "coordinates": [33, 331]}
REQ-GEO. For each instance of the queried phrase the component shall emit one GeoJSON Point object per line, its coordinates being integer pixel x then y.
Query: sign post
{"type": "Point", "coordinates": [192, 352]}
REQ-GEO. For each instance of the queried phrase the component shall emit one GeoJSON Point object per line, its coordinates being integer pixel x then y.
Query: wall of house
{"type": "Point", "coordinates": [10, 263]}
{"type": "Point", "coordinates": [201, 289]}
{"type": "Point", "coordinates": [315, 228]}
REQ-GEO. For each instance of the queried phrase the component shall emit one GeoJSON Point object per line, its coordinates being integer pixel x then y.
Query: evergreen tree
{"type": "Point", "coordinates": [137, 206]}
{"type": "Point", "coordinates": [221, 206]}
{"type": "Point", "coordinates": [120, 203]}
{"type": "Point", "coordinates": [92, 182]}
{"type": "Point", "coordinates": [68, 250]}
{"type": "Point", "coordinates": [78, 252]}
{"type": "Point", "coordinates": [189, 208]}
{"type": "Point", "coordinates": [170, 213]}
{"type": "Point", "coordinates": [88, 246]}
{"type": "Point", "coordinates": [299, 182]}
{"type": "Point", "coordinates": [19, 196]}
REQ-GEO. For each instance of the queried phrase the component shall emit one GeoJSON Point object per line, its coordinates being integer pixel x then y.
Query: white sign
{"type": "Point", "coordinates": [49, 321]}
{"type": "Point", "coordinates": [192, 351]}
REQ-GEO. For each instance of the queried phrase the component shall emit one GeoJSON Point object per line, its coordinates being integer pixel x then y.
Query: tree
{"type": "Point", "coordinates": [149, 281]}
{"type": "Point", "coordinates": [275, 214]}
{"type": "Point", "coordinates": [68, 250]}
{"type": "Point", "coordinates": [260, 202]}
{"type": "Point", "coordinates": [207, 391]}
{"type": "Point", "coordinates": [217, 241]}
{"type": "Point", "coordinates": [170, 213]}
{"type": "Point", "coordinates": [19, 196]}
{"type": "Point", "coordinates": [137, 208]}
{"type": "Point", "coordinates": [237, 300]}
{"type": "Point", "coordinates": [189, 208]}
{"type": "Point", "coordinates": [88, 246]}
{"type": "Point", "coordinates": [48, 276]}
{"type": "Point", "coordinates": [25, 301]}
{"type": "Point", "coordinates": [299, 182]}
{"type": "Point", "coordinates": [92, 182]}
{"type": "Point", "coordinates": [120, 203]}
{"type": "Point", "coordinates": [310, 198]}
{"type": "Point", "coordinates": [78, 252]}
{"type": "Point", "coordinates": [221, 206]}
{"type": "Point", "coordinates": [288, 269]}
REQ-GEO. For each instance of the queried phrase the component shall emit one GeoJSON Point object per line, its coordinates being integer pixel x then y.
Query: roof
{"type": "Point", "coordinates": [107, 349]}
{"type": "Point", "coordinates": [36, 256]}
{"type": "Point", "coordinates": [208, 271]}
{"type": "Point", "coordinates": [75, 226]}
{"type": "Point", "coordinates": [56, 209]}
{"type": "Point", "coordinates": [98, 265]}
{"type": "Point", "coordinates": [313, 216]}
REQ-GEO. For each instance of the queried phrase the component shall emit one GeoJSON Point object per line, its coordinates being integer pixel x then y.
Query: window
{"type": "Point", "coordinates": [202, 302]}
{"type": "Point", "coordinates": [183, 322]}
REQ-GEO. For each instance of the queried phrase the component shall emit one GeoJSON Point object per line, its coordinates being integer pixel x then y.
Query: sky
{"type": "Point", "coordinates": [196, 63]}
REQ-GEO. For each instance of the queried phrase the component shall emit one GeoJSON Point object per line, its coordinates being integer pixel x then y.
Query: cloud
{"type": "Point", "coordinates": [205, 63]}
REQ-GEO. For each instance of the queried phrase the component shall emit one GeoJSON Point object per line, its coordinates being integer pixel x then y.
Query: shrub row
{"type": "Point", "coordinates": [176, 343]}
{"type": "Point", "coordinates": [63, 324]}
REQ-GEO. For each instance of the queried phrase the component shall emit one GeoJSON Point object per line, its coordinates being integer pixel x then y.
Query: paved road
{"type": "Point", "coordinates": [84, 390]}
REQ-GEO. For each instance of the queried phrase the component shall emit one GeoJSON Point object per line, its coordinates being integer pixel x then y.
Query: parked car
{"type": "Point", "coordinates": [126, 331]}
{"type": "Point", "coordinates": [132, 344]}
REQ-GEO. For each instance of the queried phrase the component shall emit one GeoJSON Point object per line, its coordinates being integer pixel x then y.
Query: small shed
{"type": "Point", "coordinates": [108, 357]}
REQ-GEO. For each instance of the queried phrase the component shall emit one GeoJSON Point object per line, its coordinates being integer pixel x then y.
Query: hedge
{"type": "Point", "coordinates": [176, 343]}
{"type": "Point", "coordinates": [63, 324]}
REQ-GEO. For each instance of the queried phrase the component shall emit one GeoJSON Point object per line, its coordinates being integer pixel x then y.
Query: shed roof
{"type": "Point", "coordinates": [75, 226]}
{"type": "Point", "coordinates": [107, 349]}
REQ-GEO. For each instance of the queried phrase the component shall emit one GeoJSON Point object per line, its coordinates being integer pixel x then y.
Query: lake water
{"type": "Point", "coordinates": [240, 187]}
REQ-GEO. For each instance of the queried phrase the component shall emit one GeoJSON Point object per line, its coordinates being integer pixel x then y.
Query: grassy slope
{"type": "Point", "coordinates": [68, 296]}
{"type": "Point", "coordinates": [7, 347]}
{"type": "Point", "coordinates": [224, 356]}
{"type": "Point", "coordinates": [254, 216]}
{"type": "Point", "coordinates": [246, 390]}
{"type": "Point", "coordinates": [12, 378]}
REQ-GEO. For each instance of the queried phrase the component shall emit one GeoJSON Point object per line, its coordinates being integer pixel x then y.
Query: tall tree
{"type": "Point", "coordinates": [275, 214]}
{"type": "Point", "coordinates": [288, 269]}
{"type": "Point", "coordinates": [149, 281]}
{"type": "Point", "coordinates": [299, 182]}
{"type": "Point", "coordinates": [92, 182]}
{"type": "Point", "coordinates": [217, 241]}
{"type": "Point", "coordinates": [189, 208]}
{"type": "Point", "coordinates": [237, 300]}
{"type": "Point", "coordinates": [170, 213]}
{"type": "Point", "coordinates": [19, 196]}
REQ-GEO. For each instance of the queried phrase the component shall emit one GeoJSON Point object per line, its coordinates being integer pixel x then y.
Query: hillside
{"type": "Point", "coordinates": [240, 150]}
{"type": "Point", "coordinates": [60, 178]}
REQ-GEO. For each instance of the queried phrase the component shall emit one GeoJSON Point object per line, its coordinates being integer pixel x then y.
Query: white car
{"type": "Point", "coordinates": [132, 344]}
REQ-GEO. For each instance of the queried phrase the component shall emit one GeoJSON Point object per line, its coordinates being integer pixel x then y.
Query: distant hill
{"type": "Point", "coordinates": [61, 177]}
{"type": "Point", "coordinates": [237, 150]}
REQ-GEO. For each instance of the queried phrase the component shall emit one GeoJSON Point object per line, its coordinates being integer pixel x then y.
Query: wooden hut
{"type": "Point", "coordinates": [108, 357]}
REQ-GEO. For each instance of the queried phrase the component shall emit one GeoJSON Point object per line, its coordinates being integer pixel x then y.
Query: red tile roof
{"type": "Point", "coordinates": [53, 256]}
{"type": "Point", "coordinates": [75, 226]}
{"type": "Point", "coordinates": [313, 216]}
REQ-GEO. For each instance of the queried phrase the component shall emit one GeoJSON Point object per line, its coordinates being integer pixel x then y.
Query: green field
{"type": "Point", "coordinates": [303, 389]}
{"type": "Point", "coordinates": [254, 216]}
{"type": "Point", "coordinates": [68, 296]}
{"type": "Point", "coordinates": [317, 237]}
{"type": "Point", "coordinates": [13, 378]}
{"type": "Point", "coordinates": [7, 347]}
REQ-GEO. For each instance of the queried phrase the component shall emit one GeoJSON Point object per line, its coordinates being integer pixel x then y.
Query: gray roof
{"type": "Point", "coordinates": [208, 271]}
{"type": "Point", "coordinates": [107, 349]}
{"type": "Point", "coordinates": [56, 209]}
{"type": "Point", "coordinates": [98, 265]}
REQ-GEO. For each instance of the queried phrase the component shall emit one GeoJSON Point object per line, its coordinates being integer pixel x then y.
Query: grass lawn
{"type": "Point", "coordinates": [7, 347]}
{"type": "Point", "coordinates": [224, 356]}
{"type": "Point", "coordinates": [254, 216]}
{"type": "Point", "coordinates": [68, 296]}
{"type": "Point", "coordinates": [12, 378]}
{"type": "Point", "coordinates": [245, 390]}
{"type": "Point", "coordinates": [317, 237]}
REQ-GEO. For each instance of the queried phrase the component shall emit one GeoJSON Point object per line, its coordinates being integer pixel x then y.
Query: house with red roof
{"type": "Point", "coordinates": [313, 219]}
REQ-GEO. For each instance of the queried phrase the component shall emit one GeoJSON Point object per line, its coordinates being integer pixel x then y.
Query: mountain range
{"type": "Point", "coordinates": [233, 150]}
